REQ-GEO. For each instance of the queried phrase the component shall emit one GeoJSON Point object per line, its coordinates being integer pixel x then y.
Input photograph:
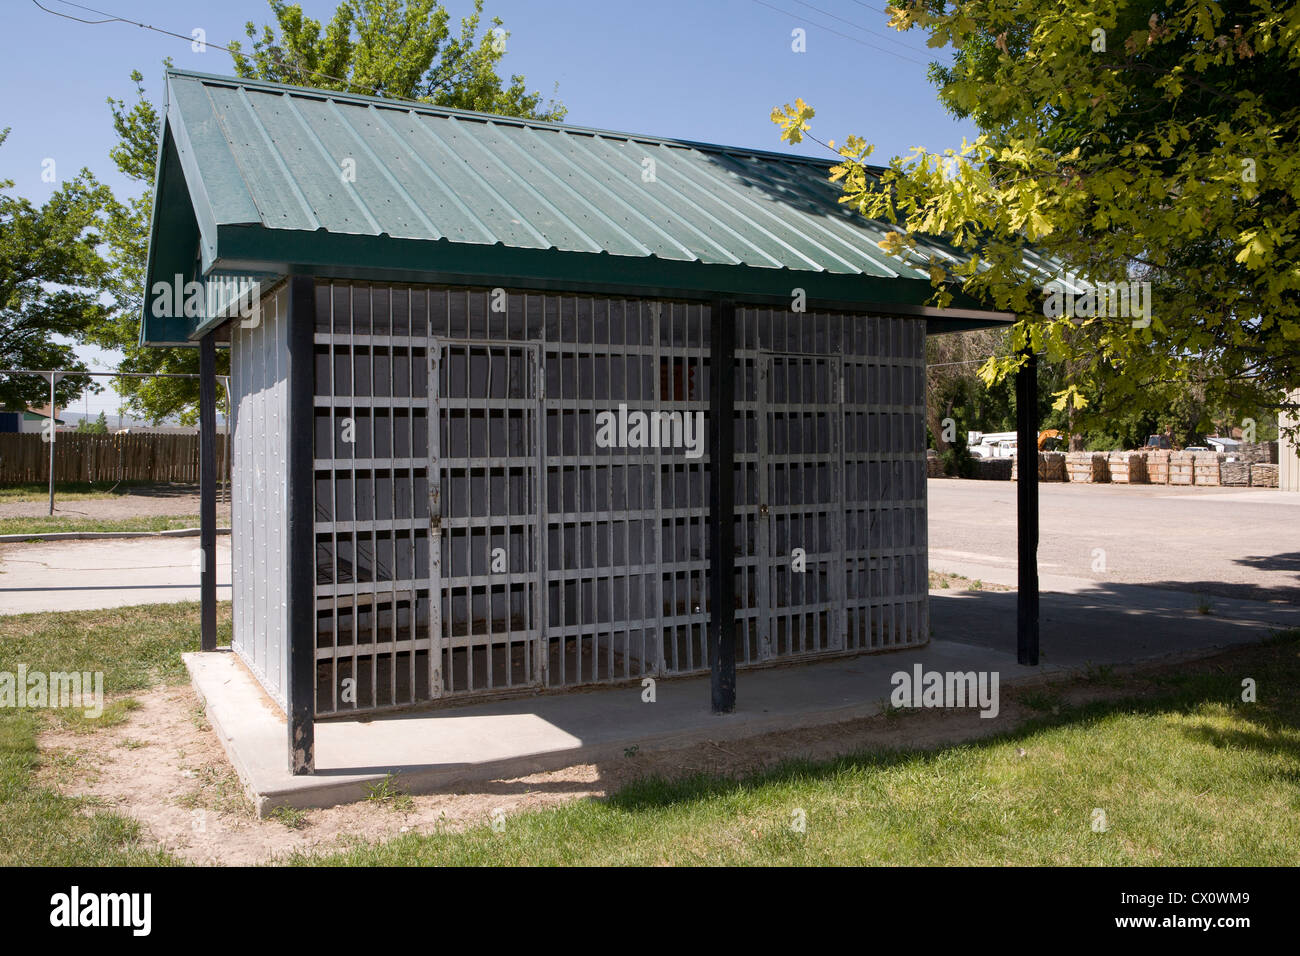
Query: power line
{"type": "Point", "coordinates": [296, 68]}
{"type": "Point", "coordinates": [967, 362]}
{"type": "Point", "coordinates": [114, 18]}
{"type": "Point", "coordinates": [872, 6]}
{"type": "Point", "coordinates": [827, 13]}
{"type": "Point", "coordinates": [875, 33]}
{"type": "Point", "coordinates": [846, 36]}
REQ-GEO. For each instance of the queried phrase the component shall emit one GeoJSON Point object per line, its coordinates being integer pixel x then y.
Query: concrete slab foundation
{"type": "Point", "coordinates": [1083, 624]}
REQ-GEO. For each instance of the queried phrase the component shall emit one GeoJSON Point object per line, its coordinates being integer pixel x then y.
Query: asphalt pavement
{"type": "Point", "coordinates": [1228, 542]}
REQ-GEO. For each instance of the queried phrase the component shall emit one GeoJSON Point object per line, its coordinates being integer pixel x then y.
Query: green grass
{"type": "Point", "coordinates": [47, 524]}
{"type": "Point", "coordinates": [1040, 699]}
{"type": "Point", "coordinates": [389, 792]}
{"type": "Point", "coordinates": [291, 817]}
{"type": "Point", "coordinates": [1189, 775]}
{"type": "Point", "coordinates": [66, 491]}
{"type": "Point", "coordinates": [135, 648]}
{"type": "Point", "coordinates": [1185, 772]}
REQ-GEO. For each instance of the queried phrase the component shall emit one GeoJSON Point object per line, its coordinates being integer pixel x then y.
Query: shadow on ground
{"type": "Point", "coordinates": [1181, 689]}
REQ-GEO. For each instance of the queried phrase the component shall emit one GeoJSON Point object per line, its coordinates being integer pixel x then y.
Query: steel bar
{"type": "Point", "coordinates": [300, 552]}
{"type": "Point", "coordinates": [1027, 511]}
{"type": "Point", "coordinates": [208, 494]}
{"type": "Point", "coordinates": [722, 557]}
{"type": "Point", "coordinates": [54, 377]}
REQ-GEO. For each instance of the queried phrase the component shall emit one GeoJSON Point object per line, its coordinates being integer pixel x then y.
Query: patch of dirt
{"type": "Point", "coordinates": [165, 767]}
{"type": "Point", "coordinates": [943, 580]}
{"type": "Point", "coordinates": [143, 501]}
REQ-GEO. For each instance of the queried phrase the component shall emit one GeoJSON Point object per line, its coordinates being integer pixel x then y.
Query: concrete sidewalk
{"type": "Point", "coordinates": [110, 572]}
{"type": "Point", "coordinates": [973, 630]}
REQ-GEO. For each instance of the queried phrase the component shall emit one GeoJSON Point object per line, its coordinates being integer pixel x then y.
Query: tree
{"type": "Point", "coordinates": [951, 382]}
{"type": "Point", "coordinates": [98, 427]}
{"type": "Point", "coordinates": [49, 276]}
{"type": "Point", "coordinates": [127, 243]}
{"type": "Point", "coordinates": [396, 48]}
{"type": "Point", "coordinates": [1129, 143]}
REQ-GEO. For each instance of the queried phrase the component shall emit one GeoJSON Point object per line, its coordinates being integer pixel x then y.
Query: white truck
{"type": "Point", "coordinates": [991, 444]}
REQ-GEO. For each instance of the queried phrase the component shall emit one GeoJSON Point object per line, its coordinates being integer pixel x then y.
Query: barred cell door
{"type": "Point", "coordinates": [485, 512]}
{"type": "Point", "coordinates": [800, 533]}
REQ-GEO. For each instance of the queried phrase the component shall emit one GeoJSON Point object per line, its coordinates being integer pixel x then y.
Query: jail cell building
{"type": "Point", "coordinates": [482, 370]}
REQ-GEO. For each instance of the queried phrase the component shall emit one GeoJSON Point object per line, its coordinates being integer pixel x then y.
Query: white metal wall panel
{"type": "Point", "coordinates": [259, 521]}
{"type": "Point", "coordinates": [1288, 451]}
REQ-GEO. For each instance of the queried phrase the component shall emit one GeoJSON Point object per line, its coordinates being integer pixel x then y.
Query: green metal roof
{"type": "Point", "coordinates": [263, 178]}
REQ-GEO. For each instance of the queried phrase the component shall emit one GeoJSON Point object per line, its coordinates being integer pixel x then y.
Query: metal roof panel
{"type": "Point", "coordinates": [484, 189]}
{"type": "Point", "coordinates": [425, 172]}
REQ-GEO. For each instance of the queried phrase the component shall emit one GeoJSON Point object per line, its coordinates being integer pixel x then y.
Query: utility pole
{"type": "Point", "coordinates": [54, 377]}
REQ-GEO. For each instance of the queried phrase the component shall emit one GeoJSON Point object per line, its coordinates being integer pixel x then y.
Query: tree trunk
{"type": "Point", "coordinates": [1076, 440]}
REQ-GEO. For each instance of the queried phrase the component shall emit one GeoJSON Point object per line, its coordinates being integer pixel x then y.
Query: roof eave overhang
{"type": "Point", "coordinates": [183, 213]}
{"type": "Point", "coordinates": [173, 217]}
{"type": "Point", "coordinates": [254, 249]}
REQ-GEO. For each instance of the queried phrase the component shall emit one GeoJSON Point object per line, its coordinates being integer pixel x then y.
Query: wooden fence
{"type": "Point", "coordinates": [106, 458]}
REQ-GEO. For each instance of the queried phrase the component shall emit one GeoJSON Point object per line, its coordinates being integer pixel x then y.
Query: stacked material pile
{"type": "Point", "coordinates": [1182, 465]}
{"type": "Point", "coordinates": [1207, 468]}
{"type": "Point", "coordinates": [993, 469]}
{"type": "Point", "coordinates": [1263, 475]}
{"type": "Point", "coordinates": [933, 465]}
{"type": "Point", "coordinates": [1128, 467]}
{"type": "Point", "coordinates": [1158, 467]}
{"type": "Point", "coordinates": [1264, 452]}
{"type": "Point", "coordinates": [1085, 466]}
{"type": "Point", "coordinates": [1051, 466]}
{"type": "Point", "coordinates": [1235, 474]}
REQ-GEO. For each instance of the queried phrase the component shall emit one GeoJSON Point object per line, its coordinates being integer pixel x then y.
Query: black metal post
{"type": "Point", "coordinates": [301, 585]}
{"type": "Point", "coordinates": [54, 377]}
{"type": "Point", "coordinates": [208, 492]}
{"type": "Point", "coordinates": [1027, 510]}
{"type": "Point", "coordinates": [722, 533]}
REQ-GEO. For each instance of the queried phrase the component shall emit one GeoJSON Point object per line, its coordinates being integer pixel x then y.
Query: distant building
{"type": "Point", "coordinates": [28, 421]}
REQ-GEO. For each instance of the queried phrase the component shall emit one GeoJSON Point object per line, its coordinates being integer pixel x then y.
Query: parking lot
{"type": "Point", "coordinates": [1231, 542]}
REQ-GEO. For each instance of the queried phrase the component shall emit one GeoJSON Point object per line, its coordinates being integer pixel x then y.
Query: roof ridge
{"type": "Point", "coordinates": [405, 104]}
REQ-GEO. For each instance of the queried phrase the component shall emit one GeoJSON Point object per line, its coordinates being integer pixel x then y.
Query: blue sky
{"type": "Point", "coordinates": [706, 70]}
